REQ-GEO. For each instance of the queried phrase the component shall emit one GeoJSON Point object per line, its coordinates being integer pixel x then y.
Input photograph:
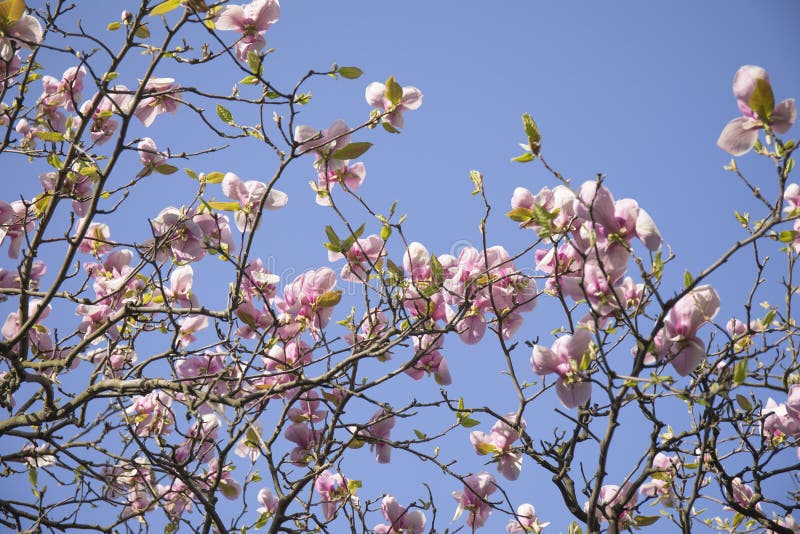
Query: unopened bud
{"type": "Point", "coordinates": [126, 16]}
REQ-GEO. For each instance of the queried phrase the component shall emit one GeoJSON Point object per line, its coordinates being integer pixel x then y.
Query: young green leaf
{"type": "Point", "coordinates": [393, 93]}
{"type": "Point", "coordinates": [532, 132]}
{"type": "Point", "coordinates": [351, 73]}
{"type": "Point", "coordinates": [224, 114]}
{"type": "Point", "coordinates": [164, 7]}
{"type": "Point", "coordinates": [352, 151]}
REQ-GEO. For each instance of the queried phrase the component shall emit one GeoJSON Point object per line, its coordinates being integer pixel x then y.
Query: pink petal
{"type": "Point", "coordinates": [784, 116]}
{"type": "Point", "coordinates": [231, 18]}
{"type": "Point", "coordinates": [738, 137]}
{"type": "Point", "coordinates": [374, 94]}
{"type": "Point", "coordinates": [573, 395]}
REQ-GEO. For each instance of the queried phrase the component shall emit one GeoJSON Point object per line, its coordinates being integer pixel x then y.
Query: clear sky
{"type": "Point", "coordinates": [638, 91]}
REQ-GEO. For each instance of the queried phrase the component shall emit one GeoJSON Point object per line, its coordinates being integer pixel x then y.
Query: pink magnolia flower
{"type": "Point", "coordinates": [780, 422]}
{"type": "Point", "coordinates": [157, 99]}
{"type": "Point", "coordinates": [473, 498]}
{"type": "Point", "coordinates": [308, 301]}
{"type": "Point", "coordinates": [678, 339]}
{"type": "Point", "coordinates": [180, 291]}
{"type": "Point", "coordinates": [11, 278]}
{"type": "Point", "coordinates": [258, 282]}
{"type": "Point", "coordinates": [499, 443]}
{"type": "Point", "coordinates": [175, 499]}
{"type": "Point", "coordinates": [189, 326]}
{"type": "Point", "coordinates": [376, 97]}
{"type": "Point", "coordinates": [612, 496]}
{"type": "Point", "coordinates": [333, 492]}
{"type": "Point", "coordinates": [305, 438]}
{"type": "Point", "coordinates": [250, 196]}
{"type": "Point", "coordinates": [563, 359]}
{"type": "Point", "coordinates": [103, 125]}
{"type": "Point", "coordinates": [24, 31]}
{"type": "Point", "coordinates": [221, 475]}
{"type": "Point", "coordinates": [200, 440]}
{"type": "Point", "coordinates": [377, 431]}
{"type": "Point", "coordinates": [15, 222]}
{"type": "Point", "coordinates": [361, 257]}
{"type": "Point", "coordinates": [323, 143]}
{"type": "Point", "coordinates": [661, 485]}
{"type": "Point", "coordinates": [150, 157]}
{"type": "Point", "coordinates": [251, 443]}
{"type": "Point", "coordinates": [268, 501]}
{"type": "Point", "coordinates": [740, 135]}
{"type": "Point", "coordinates": [526, 521]}
{"type": "Point", "coordinates": [8, 70]}
{"type": "Point", "coordinates": [791, 195]}
{"type": "Point", "coordinates": [351, 175]}
{"type": "Point", "coordinates": [63, 93]}
{"type": "Point", "coordinates": [400, 519]}
{"type": "Point", "coordinates": [309, 401]}
{"type": "Point", "coordinates": [250, 20]}
{"type": "Point", "coordinates": [151, 414]}
{"type": "Point", "coordinates": [431, 361]}
{"type": "Point", "coordinates": [742, 495]}
{"type": "Point", "coordinates": [96, 240]}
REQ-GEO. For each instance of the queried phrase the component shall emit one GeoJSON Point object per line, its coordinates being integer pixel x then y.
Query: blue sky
{"type": "Point", "coordinates": [638, 91]}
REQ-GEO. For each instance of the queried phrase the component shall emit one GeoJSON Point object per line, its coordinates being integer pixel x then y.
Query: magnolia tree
{"type": "Point", "coordinates": [132, 404]}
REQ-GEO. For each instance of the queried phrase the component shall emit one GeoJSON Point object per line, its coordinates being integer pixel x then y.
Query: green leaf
{"type": "Point", "coordinates": [524, 158]}
{"type": "Point", "coordinates": [164, 7]}
{"type": "Point", "coordinates": [213, 177]}
{"type": "Point", "coordinates": [108, 77]}
{"type": "Point", "coordinates": [389, 128]}
{"type": "Point", "coordinates": [386, 231]}
{"type": "Point", "coordinates": [142, 31]}
{"type": "Point", "coordinates": [332, 237]}
{"type": "Point", "coordinates": [532, 132]}
{"type": "Point", "coordinates": [224, 114]}
{"type": "Point", "coordinates": [114, 26]}
{"type": "Point", "coordinates": [484, 448]}
{"type": "Point", "coordinates": [262, 520]}
{"type": "Point", "coordinates": [437, 271]}
{"type": "Point", "coordinates": [351, 73]}
{"type": "Point", "coordinates": [170, 528]}
{"type": "Point", "coordinates": [744, 403]}
{"type": "Point", "coordinates": [762, 101]}
{"type": "Point", "coordinates": [303, 98]}
{"type": "Point", "coordinates": [166, 169]}
{"type": "Point", "coordinates": [249, 80]}
{"type": "Point", "coordinates": [54, 161]}
{"type": "Point", "coordinates": [420, 435]}
{"type": "Point", "coordinates": [520, 215]}
{"type": "Point", "coordinates": [254, 61]}
{"type": "Point", "coordinates": [787, 236]}
{"type": "Point", "coordinates": [353, 485]}
{"type": "Point", "coordinates": [393, 93]}
{"type": "Point", "coordinates": [477, 180]}
{"type": "Point", "coordinates": [688, 279]}
{"type": "Point", "coordinates": [11, 11]}
{"type": "Point", "coordinates": [33, 476]}
{"type": "Point", "coordinates": [329, 299]}
{"type": "Point", "coordinates": [50, 137]}
{"type": "Point", "coordinates": [224, 206]}
{"type": "Point", "coordinates": [789, 166]}
{"type": "Point", "coordinates": [190, 173]}
{"type": "Point", "coordinates": [646, 520]}
{"type": "Point", "coordinates": [352, 151]}
{"type": "Point", "coordinates": [469, 422]}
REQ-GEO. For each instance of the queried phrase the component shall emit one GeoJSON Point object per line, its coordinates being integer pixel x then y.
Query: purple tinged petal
{"type": "Point", "coordinates": [264, 12]}
{"type": "Point", "coordinates": [544, 361]}
{"type": "Point", "coordinates": [738, 136]}
{"type": "Point", "coordinates": [412, 98]}
{"type": "Point", "coordinates": [374, 94]}
{"type": "Point", "coordinates": [744, 82]}
{"type": "Point", "coordinates": [573, 395]}
{"type": "Point", "coordinates": [647, 231]}
{"type": "Point", "coordinates": [689, 357]}
{"type": "Point", "coordinates": [231, 18]}
{"type": "Point", "coordinates": [784, 116]}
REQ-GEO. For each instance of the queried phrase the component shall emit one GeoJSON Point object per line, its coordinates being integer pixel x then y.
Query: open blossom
{"type": "Point", "coordinates": [251, 443]}
{"type": "Point", "coordinates": [15, 222]}
{"type": "Point", "coordinates": [200, 440]}
{"type": "Point", "coordinates": [678, 340]}
{"type": "Point", "coordinates": [473, 498]}
{"type": "Point", "coordinates": [251, 21]}
{"type": "Point", "coordinates": [63, 93]}
{"type": "Point", "coordinates": [400, 519]}
{"type": "Point", "coordinates": [150, 157]}
{"type": "Point", "coordinates": [151, 414]}
{"type": "Point", "coordinates": [157, 99]}
{"type": "Point", "coordinates": [24, 31]}
{"type": "Point", "coordinates": [742, 495]}
{"type": "Point", "coordinates": [361, 256]}
{"type": "Point", "coordinates": [250, 196]}
{"type": "Point", "coordinates": [377, 431]}
{"type": "Point", "coordinates": [376, 97]}
{"type": "Point", "coordinates": [526, 521]}
{"type": "Point", "coordinates": [610, 497]}
{"type": "Point", "coordinates": [563, 359]}
{"type": "Point", "coordinates": [323, 143]}
{"type": "Point", "coordinates": [352, 175]}
{"type": "Point", "coordinates": [499, 443]}
{"type": "Point", "coordinates": [751, 87]}
{"type": "Point", "coordinates": [333, 492]}
{"type": "Point", "coordinates": [268, 501]}
{"type": "Point", "coordinates": [661, 485]}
